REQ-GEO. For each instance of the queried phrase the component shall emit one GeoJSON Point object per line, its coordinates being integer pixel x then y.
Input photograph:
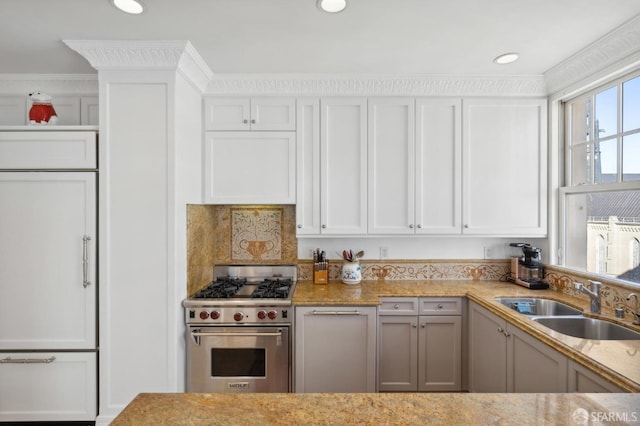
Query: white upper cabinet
{"type": "Point", "coordinates": [308, 166]}
{"type": "Point", "coordinates": [505, 167]}
{"type": "Point", "coordinates": [261, 113]}
{"type": "Point", "coordinates": [391, 166]}
{"type": "Point", "coordinates": [250, 168]}
{"type": "Point", "coordinates": [414, 166]}
{"type": "Point", "coordinates": [343, 166]}
{"type": "Point", "coordinates": [438, 166]}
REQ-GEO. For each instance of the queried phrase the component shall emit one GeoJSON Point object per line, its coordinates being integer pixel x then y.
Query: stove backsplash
{"type": "Point", "coordinates": [237, 234]}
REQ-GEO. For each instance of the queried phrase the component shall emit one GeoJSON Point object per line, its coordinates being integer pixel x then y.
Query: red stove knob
{"type": "Point", "coordinates": [204, 315]}
{"type": "Point", "coordinates": [262, 314]}
{"type": "Point", "coordinates": [238, 316]}
{"type": "Point", "coordinates": [273, 314]}
{"type": "Point", "coordinates": [215, 315]}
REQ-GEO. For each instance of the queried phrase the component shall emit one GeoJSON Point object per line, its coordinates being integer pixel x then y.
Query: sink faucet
{"type": "Point", "coordinates": [635, 312]}
{"type": "Point", "coordinates": [594, 294]}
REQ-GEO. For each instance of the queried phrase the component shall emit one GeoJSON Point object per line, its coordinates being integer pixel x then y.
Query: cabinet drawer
{"type": "Point", "coordinates": [440, 306]}
{"type": "Point", "coordinates": [398, 306]}
{"type": "Point", "coordinates": [48, 150]}
{"type": "Point", "coordinates": [48, 386]}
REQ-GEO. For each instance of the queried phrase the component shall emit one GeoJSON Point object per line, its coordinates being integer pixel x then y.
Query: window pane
{"type": "Point", "coordinates": [631, 157]}
{"type": "Point", "coordinates": [580, 165]}
{"type": "Point", "coordinates": [580, 120]}
{"type": "Point", "coordinates": [631, 105]}
{"type": "Point", "coordinates": [606, 161]}
{"type": "Point", "coordinates": [603, 230]}
{"type": "Point", "coordinates": [606, 122]}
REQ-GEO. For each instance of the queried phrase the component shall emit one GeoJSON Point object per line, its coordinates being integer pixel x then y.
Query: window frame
{"type": "Point", "coordinates": [566, 166]}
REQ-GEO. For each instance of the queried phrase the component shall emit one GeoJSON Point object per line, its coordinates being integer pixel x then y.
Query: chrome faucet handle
{"type": "Point", "coordinates": [578, 286]}
{"type": "Point", "coordinates": [635, 312]}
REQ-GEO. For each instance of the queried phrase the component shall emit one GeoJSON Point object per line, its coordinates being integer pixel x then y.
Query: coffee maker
{"type": "Point", "coordinates": [526, 270]}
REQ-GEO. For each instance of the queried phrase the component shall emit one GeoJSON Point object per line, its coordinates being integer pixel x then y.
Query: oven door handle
{"type": "Point", "coordinates": [335, 312]}
{"type": "Point", "coordinates": [200, 334]}
{"type": "Point", "coordinates": [196, 335]}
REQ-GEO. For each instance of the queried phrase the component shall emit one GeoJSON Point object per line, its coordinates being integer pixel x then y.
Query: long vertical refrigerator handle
{"type": "Point", "coordinates": [85, 261]}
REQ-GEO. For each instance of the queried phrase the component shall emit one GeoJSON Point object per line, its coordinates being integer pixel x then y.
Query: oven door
{"type": "Point", "coordinates": [238, 359]}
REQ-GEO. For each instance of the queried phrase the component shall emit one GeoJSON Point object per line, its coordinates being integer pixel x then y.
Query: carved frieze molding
{"type": "Point", "coordinates": [618, 50]}
{"type": "Point", "coordinates": [23, 84]}
{"type": "Point", "coordinates": [327, 85]}
{"type": "Point", "coordinates": [179, 55]}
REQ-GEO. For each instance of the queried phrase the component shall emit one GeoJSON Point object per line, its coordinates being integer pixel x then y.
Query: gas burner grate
{"type": "Point", "coordinates": [221, 289]}
{"type": "Point", "coordinates": [272, 289]}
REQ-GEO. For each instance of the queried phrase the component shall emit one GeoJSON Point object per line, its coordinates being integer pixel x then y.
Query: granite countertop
{"type": "Point", "coordinates": [616, 360]}
{"type": "Point", "coordinates": [379, 409]}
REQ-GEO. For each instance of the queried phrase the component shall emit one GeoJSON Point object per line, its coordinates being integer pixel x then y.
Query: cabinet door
{"type": "Point", "coordinates": [89, 111]}
{"type": "Point", "coordinates": [440, 353]}
{"type": "Point", "coordinates": [13, 110]}
{"type": "Point", "coordinates": [308, 166]}
{"type": "Point", "coordinates": [343, 167]}
{"type": "Point", "coordinates": [532, 366]}
{"type": "Point", "coordinates": [391, 165]}
{"type": "Point", "coordinates": [250, 168]}
{"type": "Point", "coordinates": [46, 301]}
{"type": "Point", "coordinates": [438, 166]}
{"type": "Point", "coordinates": [335, 349]}
{"type": "Point", "coordinates": [583, 380]}
{"type": "Point", "coordinates": [487, 351]}
{"type": "Point", "coordinates": [505, 167]}
{"type": "Point", "coordinates": [48, 150]}
{"type": "Point", "coordinates": [222, 113]}
{"type": "Point", "coordinates": [273, 113]}
{"type": "Point", "coordinates": [44, 386]}
{"type": "Point", "coordinates": [397, 353]}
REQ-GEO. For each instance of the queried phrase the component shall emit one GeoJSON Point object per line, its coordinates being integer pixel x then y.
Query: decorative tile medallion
{"type": "Point", "coordinates": [256, 234]}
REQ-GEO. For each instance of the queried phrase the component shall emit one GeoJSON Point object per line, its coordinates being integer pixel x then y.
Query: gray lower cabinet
{"type": "Point", "coordinates": [583, 380]}
{"type": "Point", "coordinates": [505, 359]}
{"type": "Point", "coordinates": [335, 349]}
{"type": "Point", "coordinates": [420, 344]}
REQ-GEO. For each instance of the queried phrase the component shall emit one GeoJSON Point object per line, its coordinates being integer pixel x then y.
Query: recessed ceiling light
{"type": "Point", "coordinates": [133, 7]}
{"type": "Point", "coordinates": [332, 6]}
{"type": "Point", "coordinates": [507, 58]}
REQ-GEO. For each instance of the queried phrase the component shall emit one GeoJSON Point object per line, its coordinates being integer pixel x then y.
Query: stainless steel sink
{"type": "Point", "coordinates": [588, 328]}
{"type": "Point", "coordinates": [538, 307]}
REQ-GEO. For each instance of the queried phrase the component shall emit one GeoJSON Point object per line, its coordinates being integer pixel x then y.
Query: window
{"type": "Point", "coordinates": [600, 204]}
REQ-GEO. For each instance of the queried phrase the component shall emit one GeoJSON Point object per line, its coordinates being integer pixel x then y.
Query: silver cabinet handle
{"type": "Point", "coordinates": [253, 121]}
{"type": "Point", "coordinates": [324, 226]}
{"type": "Point", "coordinates": [335, 312]}
{"type": "Point", "coordinates": [419, 226]}
{"type": "Point", "coordinates": [245, 121]}
{"type": "Point", "coordinates": [411, 226]}
{"type": "Point", "coordinates": [85, 261]}
{"type": "Point", "coordinates": [414, 326]}
{"type": "Point", "coordinates": [396, 306]}
{"type": "Point", "coordinates": [440, 306]}
{"type": "Point", "coordinates": [9, 360]}
{"type": "Point", "coordinates": [299, 226]}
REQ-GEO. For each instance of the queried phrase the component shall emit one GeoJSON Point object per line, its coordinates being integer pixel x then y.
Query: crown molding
{"type": "Point", "coordinates": [179, 55]}
{"type": "Point", "coordinates": [23, 84]}
{"type": "Point", "coordinates": [615, 51]}
{"type": "Point", "coordinates": [328, 85]}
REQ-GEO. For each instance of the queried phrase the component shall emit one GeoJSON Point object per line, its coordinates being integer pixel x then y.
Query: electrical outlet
{"type": "Point", "coordinates": [384, 252]}
{"type": "Point", "coordinates": [488, 252]}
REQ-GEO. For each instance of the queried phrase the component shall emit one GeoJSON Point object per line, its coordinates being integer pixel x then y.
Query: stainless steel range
{"type": "Point", "coordinates": [239, 330]}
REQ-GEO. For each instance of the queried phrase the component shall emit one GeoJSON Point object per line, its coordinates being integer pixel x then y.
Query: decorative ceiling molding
{"type": "Point", "coordinates": [327, 85]}
{"type": "Point", "coordinates": [618, 47]}
{"type": "Point", "coordinates": [23, 84]}
{"type": "Point", "coordinates": [145, 55]}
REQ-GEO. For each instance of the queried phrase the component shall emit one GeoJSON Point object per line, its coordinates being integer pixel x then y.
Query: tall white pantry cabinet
{"type": "Point", "coordinates": [48, 193]}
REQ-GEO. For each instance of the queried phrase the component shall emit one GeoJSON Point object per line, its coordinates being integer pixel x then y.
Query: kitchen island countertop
{"type": "Point", "coordinates": [378, 409]}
